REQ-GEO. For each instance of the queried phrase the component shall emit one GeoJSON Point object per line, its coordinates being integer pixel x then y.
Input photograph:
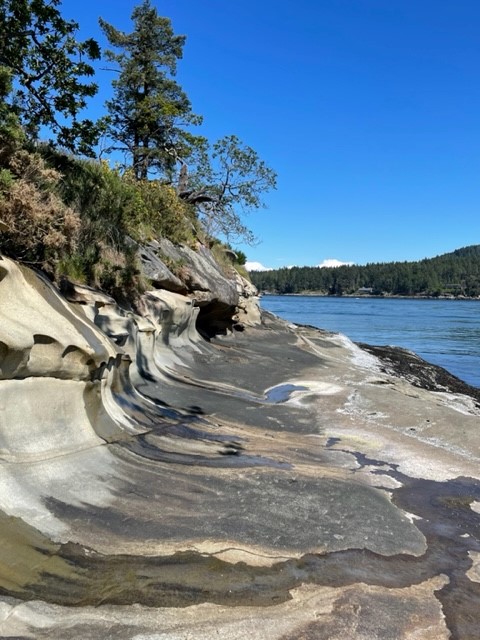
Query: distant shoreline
{"type": "Point", "coordinates": [319, 294]}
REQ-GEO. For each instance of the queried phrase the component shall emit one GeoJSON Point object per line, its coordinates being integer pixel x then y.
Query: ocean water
{"type": "Point", "coordinates": [444, 332]}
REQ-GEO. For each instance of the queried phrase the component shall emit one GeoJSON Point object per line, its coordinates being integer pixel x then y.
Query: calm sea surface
{"type": "Point", "coordinates": [444, 332]}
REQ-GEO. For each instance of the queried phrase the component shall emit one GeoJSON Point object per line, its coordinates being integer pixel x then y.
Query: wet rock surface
{"type": "Point", "coordinates": [279, 483]}
{"type": "Point", "coordinates": [419, 372]}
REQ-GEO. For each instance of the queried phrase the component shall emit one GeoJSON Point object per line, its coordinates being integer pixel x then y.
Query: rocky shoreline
{"type": "Point", "coordinates": [277, 482]}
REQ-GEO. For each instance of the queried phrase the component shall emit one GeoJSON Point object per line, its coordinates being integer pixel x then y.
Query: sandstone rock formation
{"type": "Point", "coordinates": [275, 483]}
{"type": "Point", "coordinates": [216, 291]}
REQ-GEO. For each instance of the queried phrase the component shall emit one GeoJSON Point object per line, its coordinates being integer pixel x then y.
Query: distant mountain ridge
{"type": "Point", "coordinates": [465, 252]}
{"type": "Point", "coordinates": [454, 274]}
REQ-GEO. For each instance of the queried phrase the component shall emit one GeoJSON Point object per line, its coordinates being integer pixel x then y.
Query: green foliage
{"type": "Point", "coordinates": [149, 112]}
{"type": "Point", "coordinates": [241, 257]}
{"type": "Point", "coordinates": [115, 206]}
{"type": "Point", "coordinates": [100, 195]}
{"type": "Point", "coordinates": [239, 264]}
{"type": "Point", "coordinates": [456, 273]}
{"type": "Point", "coordinates": [228, 259]}
{"type": "Point", "coordinates": [39, 228]}
{"type": "Point", "coordinates": [74, 267]}
{"type": "Point", "coordinates": [47, 66]}
{"type": "Point", "coordinates": [117, 211]}
{"type": "Point", "coordinates": [6, 180]}
{"type": "Point", "coordinates": [11, 133]}
{"type": "Point", "coordinates": [222, 255]}
{"type": "Point", "coordinates": [165, 213]}
{"type": "Point", "coordinates": [232, 182]}
{"type": "Point", "coordinates": [101, 266]}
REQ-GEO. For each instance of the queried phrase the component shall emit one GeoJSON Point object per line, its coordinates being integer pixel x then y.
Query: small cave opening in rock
{"type": "Point", "coordinates": [215, 318]}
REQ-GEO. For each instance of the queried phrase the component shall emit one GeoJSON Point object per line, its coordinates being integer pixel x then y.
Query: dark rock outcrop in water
{"type": "Point", "coordinates": [275, 483]}
{"type": "Point", "coordinates": [419, 372]}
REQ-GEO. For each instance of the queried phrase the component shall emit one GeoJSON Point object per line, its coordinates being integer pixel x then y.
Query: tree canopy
{"type": "Point", "coordinates": [230, 183]}
{"type": "Point", "coordinates": [49, 70]}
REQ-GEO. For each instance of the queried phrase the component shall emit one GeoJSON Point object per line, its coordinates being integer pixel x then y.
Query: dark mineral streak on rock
{"type": "Point", "coordinates": [452, 529]}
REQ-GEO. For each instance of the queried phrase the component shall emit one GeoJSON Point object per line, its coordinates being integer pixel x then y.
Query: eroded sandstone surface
{"type": "Point", "coordinates": [275, 483]}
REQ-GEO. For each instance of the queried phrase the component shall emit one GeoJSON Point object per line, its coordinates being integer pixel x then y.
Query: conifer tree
{"type": "Point", "coordinates": [149, 114]}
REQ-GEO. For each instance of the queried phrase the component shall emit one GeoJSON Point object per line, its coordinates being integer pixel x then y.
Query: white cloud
{"type": "Point", "coordinates": [333, 262]}
{"type": "Point", "coordinates": [256, 266]}
{"type": "Point", "coordinates": [329, 262]}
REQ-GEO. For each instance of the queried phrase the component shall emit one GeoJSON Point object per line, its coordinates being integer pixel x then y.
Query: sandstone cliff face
{"type": "Point", "coordinates": [49, 359]}
{"type": "Point", "coordinates": [273, 483]}
{"type": "Point", "coordinates": [222, 295]}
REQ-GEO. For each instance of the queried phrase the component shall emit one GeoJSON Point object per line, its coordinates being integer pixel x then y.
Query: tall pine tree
{"type": "Point", "coordinates": [149, 113]}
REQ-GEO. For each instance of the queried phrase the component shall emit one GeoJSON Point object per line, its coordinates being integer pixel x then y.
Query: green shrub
{"type": "Point", "coordinates": [241, 257]}
{"type": "Point", "coordinates": [72, 267]}
{"type": "Point", "coordinates": [160, 212]}
{"type": "Point", "coordinates": [77, 218]}
{"type": "Point", "coordinates": [116, 205]}
{"type": "Point", "coordinates": [6, 180]}
{"type": "Point", "coordinates": [40, 228]}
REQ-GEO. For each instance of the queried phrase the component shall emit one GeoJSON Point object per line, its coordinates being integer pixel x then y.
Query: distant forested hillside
{"type": "Point", "coordinates": [456, 273]}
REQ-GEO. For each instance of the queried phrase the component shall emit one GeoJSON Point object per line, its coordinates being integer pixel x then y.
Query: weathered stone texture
{"type": "Point", "coordinates": [272, 483]}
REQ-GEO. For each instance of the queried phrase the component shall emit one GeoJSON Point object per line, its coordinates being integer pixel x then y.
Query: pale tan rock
{"type": "Point", "coordinates": [474, 572]}
{"type": "Point", "coordinates": [273, 483]}
{"type": "Point", "coordinates": [33, 417]}
{"type": "Point", "coordinates": [56, 372]}
{"type": "Point", "coordinates": [248, 308]}
{"type": "Point", "coordinates": [359, 612]}
{"type": "Point", "coordinates": [40, 335]}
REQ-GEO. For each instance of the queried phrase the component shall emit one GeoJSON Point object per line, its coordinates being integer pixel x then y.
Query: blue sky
{"type": "Point", "coordinates": [368, 110]}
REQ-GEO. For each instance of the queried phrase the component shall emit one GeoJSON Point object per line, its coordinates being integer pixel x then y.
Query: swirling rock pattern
{"type": "Point", "coordinates": [275, 483]}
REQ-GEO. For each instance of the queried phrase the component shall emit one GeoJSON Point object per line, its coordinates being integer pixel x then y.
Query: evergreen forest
{"type": "Point", "coordinates": [452, 274]}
